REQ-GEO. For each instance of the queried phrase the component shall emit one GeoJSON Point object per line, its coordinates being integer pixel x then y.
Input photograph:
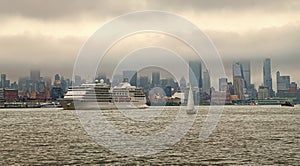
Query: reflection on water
{"type": "Point", "coordinates": [244, 135]}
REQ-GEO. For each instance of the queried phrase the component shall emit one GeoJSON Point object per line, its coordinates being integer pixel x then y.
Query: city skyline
{"type": "Point", "coordinates": [42, 88]}
{"type": "Point", "coordinates": [240, 69]}
{"type": "Point", "coordinates": [50, 36]}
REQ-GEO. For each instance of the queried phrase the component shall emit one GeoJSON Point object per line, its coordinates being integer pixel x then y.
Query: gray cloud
{"type": "Point", "coordinates": [21, 53]}
{"type": "Point", "coordinates": [102, 8]}
{"type": "Point", "coordinates": [273, 41]}
{"type": "Point", "coordinates": [271, 5]}
{"type": "Point", "coordinates": [57, 9]}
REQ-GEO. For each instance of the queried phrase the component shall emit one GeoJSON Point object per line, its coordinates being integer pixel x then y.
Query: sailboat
{"type": "Point", "coordinates": [190, 105]}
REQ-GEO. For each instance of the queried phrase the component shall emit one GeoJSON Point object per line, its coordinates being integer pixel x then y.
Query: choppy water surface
{"type": "Point", "coordinates": [245, 135]}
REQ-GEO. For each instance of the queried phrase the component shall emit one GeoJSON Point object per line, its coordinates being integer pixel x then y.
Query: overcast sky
{"type": "Point", "coordinates": [49, 34]}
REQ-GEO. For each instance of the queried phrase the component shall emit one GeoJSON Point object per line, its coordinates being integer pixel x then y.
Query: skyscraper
{"type": "Point", "coordinates": [237, 70]}
{"type": "Point", "coordinates": [195, 74]}
{"type": "Point", "coordinates": [56, 77]}
{"type": "Point", "coordinates": [206, 82]}
{"type": "Point", "coordinates": [182, 83]}
{"type": "Point", "coordinates": [3, 80]}
{"type": "Point", "coordinates": [57, 81]}
{"type": "Point", "coordinates": [155, 79]}
{"type": "Point", "coordinates": [283, 82]}
{"type": "Point", "coordinates": [144, 82]}
{"type": "Point", "coordinates": [132, 76]}
{"type": "Point", "coordinates": [267, 76]}
{"type": "Point", "coordinates": [41, 87]}
{"type": "Point", "coordinates": [263, 92]}
{"type": "Point", "coordinates": [35, 75]}
{"type": "Point", "coordinates": [238, 80]}
{"type": "Point", "coordinates": [246, 72]}
{"type": "Point", "coordinates": [238, 87]}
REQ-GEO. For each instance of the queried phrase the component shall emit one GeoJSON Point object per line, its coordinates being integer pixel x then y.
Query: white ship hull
{"type": "Point", "coordinates": [93, 105]}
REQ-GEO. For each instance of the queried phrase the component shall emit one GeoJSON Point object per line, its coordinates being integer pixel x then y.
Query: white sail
{"type": "Point", "coordinates": [190, 104]}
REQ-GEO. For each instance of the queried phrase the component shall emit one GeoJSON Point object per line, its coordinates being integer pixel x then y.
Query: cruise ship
{"type": "Point", "coordinates": [99, 95]}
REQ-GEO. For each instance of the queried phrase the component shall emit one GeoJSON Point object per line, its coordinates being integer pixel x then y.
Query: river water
{"type": "Point", "coordinates": [244, 135]}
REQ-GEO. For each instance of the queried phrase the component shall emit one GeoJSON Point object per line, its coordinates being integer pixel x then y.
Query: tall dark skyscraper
{"type": "Point", "coordinates": [155, 79]}
{"type": "Point", "coordinates": [206, 82]}
{"type": "Point", "coordinates": [35, 75]}
{"type": "Point", "coordinates": [267, 76]}
{"type": "Point", "coordinates": [144, 82]}
{"type": "Point", "coordinates": [3, 80]}
{"type": "Point", "coordinates": [195, 74]}
{"type": "Point", "coordinates": [246, 71]}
